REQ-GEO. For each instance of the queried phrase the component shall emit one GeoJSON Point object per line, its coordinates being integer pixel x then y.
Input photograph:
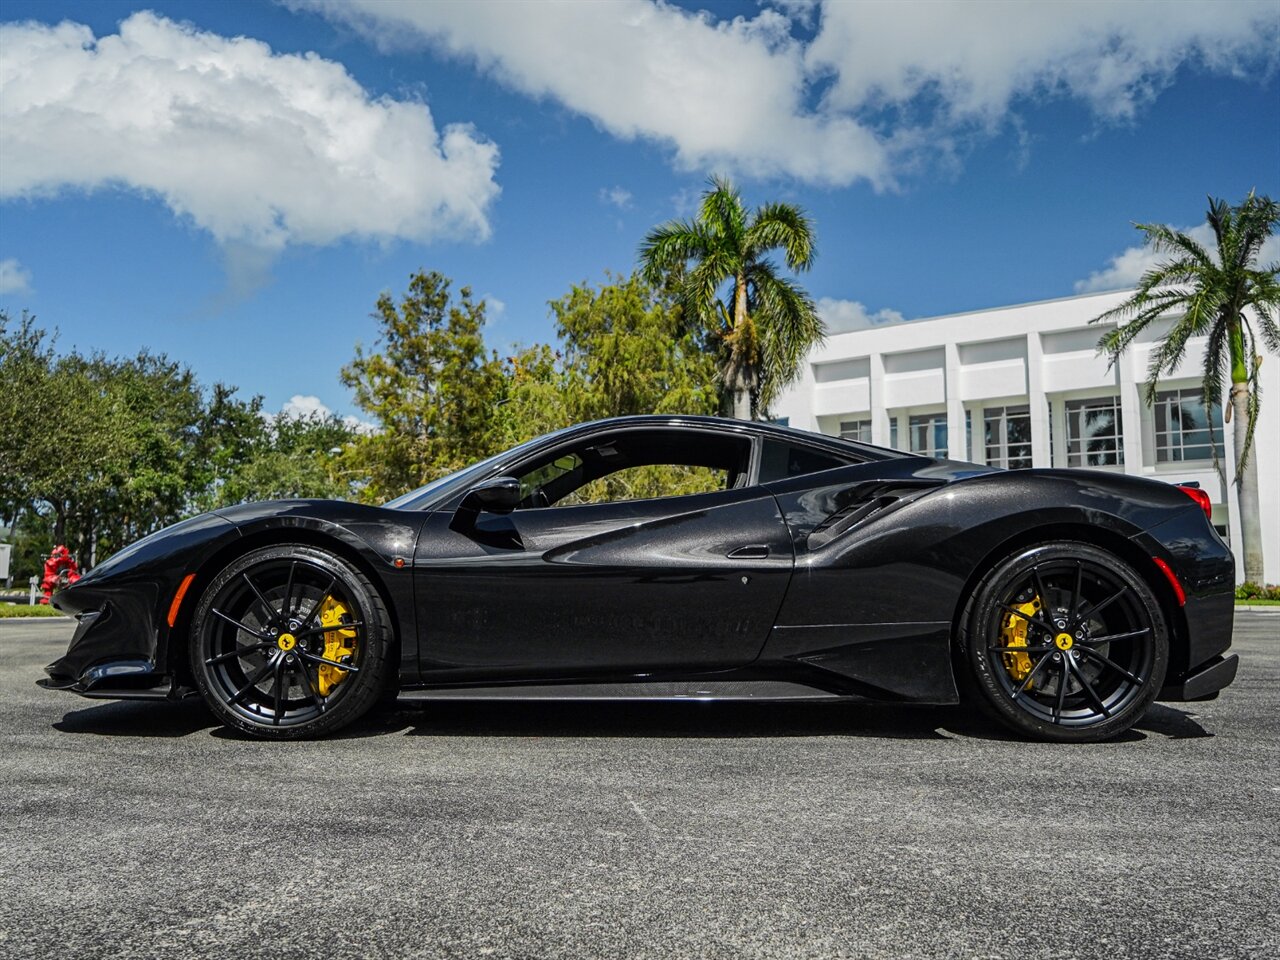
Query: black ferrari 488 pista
{"type": "Point", "coordinates": [667, 557]}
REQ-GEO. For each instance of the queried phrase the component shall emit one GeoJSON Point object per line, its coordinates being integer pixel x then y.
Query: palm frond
{"type": "Point", "coordinates": [1201, 309]}
{"type": "Point", "coordinates": [1165, 239]}
{"type": "Point", "coordinates": [669, 246]}
{"type": "Point", "coordinates": [698, 292]}
{"type": "Point", "coordinates": [789, 327]}
{"type": "Point", "coordinates": [781, 226]}
{"type": "Point", "coordinates": [1217, 356]}
{"type": "Point", "coordinates": [722, 211]}
{"type": "Point", "coordinates": [1256, 220]}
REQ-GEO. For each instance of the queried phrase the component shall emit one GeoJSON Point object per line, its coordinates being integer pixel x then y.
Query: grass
{"type": "Point", "coordinates": [9, 610]}
{"type": "Point", "coordinates": [1258, 603]}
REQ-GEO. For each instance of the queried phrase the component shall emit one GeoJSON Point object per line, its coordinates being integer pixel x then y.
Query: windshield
{"type": "Point", "coordinates": [449, 484]}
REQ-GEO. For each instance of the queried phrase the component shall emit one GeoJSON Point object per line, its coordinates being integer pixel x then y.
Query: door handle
{"type": "Point", "coordinates": [755, 551]}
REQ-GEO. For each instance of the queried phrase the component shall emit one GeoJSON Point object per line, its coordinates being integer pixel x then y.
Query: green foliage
{"type": "Point", "coordinates": [286, 457]}
{"type": "Point", "coordinates": [430, 386]}
{"type": "Point", "coordinates": [442, 401]}
{"type": "Point", "coordinates": [96, 452]}
{"type": "Point", "coordinates": [625, 352]}
{"type": "Point", "coordinates": [1257, 591]}
{"type": "Point", "coordinates": [759, 324]}
{"type": "Point", "coordinates": [9, 611]}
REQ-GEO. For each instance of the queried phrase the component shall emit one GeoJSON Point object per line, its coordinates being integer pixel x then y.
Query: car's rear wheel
{"type": "Point", "coordinates": [290, 641]}
{"type": "Point", "coordinates": [1066, 642]}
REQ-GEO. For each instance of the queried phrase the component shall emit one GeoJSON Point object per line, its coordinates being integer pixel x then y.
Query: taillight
{"type": "Point", "coordinates": [1200, 497]}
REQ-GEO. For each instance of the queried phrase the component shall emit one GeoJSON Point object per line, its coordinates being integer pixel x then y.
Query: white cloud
{"type": "Point", "coordinates": [494, 309]}
{"type": "Point", "coordinates": [305, 407]}
{"type": "Point", "coordinates": [14, 277]}
{"type": "Point", "coordinates": [879, 87]}
{"type": "Point", "coordinates": [258, 148]}
{"type": "Point", "coordinates": [841, 316]}
{"type": "Point", "coordinates": [620, 197]}
{"type": "Point", "coordinates": [978, 57]}
{"type": "Point", "coordinates": [310, 407]}
{"type": "Point", "coordinates": [1125, 269]}
{"type": "Point", "coordinates": [721, 93]}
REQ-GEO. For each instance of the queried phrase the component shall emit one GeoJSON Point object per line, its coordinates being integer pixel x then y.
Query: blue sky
{"type": "Point", "coordinates": [239, 204]}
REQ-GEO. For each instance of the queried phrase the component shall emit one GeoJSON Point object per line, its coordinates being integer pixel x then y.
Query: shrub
{"type": "Point", "coordinates": [1257, 591]}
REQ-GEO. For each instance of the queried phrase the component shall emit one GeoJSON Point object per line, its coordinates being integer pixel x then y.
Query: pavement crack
{"type": "Point", "coordinates": [641, 814]}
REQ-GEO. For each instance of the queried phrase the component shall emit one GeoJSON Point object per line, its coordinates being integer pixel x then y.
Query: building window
{"type": "Point", "coordinates": [893, 433]}
{"type": "Point", "coordinates": [1008, 437]}
{"type": "Point", "coordinates": [1182, 427]}
{"type": "Point", "coordinates": [928, 435]}
{"type": "Point", "coordinates": [859, 430]}
{"type": "Point", "coordinates": [1094, 433]}
{"type": "Point", "coordinates": [1048, 417]}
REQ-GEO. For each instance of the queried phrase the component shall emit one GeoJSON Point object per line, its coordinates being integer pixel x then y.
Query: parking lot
{"type": "Point", "coordinates": [682, 829]}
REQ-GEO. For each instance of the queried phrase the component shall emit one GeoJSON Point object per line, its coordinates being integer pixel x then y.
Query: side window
{"type": "Point", "coordinates": [635, 465]}
{"type": "Point", "coordinates": [649, 482]}
{"type": "Point", "coordinates": [535, 483]}
{"type": "Point", "coordinates": [780, 460]}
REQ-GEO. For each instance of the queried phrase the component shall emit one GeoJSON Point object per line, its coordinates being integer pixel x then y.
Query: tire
{"type": "Point", "coordinates": [258, 650]}
{"type": "Point", "coordinates": [1065, 642]}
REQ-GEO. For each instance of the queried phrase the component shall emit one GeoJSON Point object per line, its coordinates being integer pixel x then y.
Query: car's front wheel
{"type": "Point", "coordinates": [1065, 641]}
{"type": "Point", "coordinates": [290, 641]}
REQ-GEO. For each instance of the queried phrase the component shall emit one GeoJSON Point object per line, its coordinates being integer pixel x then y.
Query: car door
{"type": "Point", "coordinates": [676, 583]}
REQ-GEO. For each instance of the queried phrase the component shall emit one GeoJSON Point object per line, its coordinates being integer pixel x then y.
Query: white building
{"type": "Point", "coordinates": [1024, 386]}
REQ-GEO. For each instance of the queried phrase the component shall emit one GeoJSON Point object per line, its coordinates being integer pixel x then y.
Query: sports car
{"type": "Point", "coordinates": [674, 557]}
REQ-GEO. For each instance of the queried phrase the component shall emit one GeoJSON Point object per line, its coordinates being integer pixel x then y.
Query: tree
{"type": "Point", "coordinates": [1212, 295]}
{"type": "Point", "coordinates": [431, 387]}
{"type": "Point", "coordinates": [288, 457]}
{"type": "Point", "coordinates": [61, 432]}
{"type": "Point", "coordinates": [764, 324]}
{"type": "Point", "coordinates": [625, 352]}
{"type": "Point", "coordinates": [97, 451]}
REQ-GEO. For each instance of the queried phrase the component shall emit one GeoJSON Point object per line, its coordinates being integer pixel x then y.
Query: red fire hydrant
{"type": "Point", "coordinates": [60, 570]}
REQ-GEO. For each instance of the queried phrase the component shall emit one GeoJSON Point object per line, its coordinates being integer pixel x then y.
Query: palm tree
{"type": "Point", "coordinates": [1225, 297]}
{"type": "Point", "coordinates": [764, 324]}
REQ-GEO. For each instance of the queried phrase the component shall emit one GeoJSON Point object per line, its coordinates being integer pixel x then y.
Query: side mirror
{"type": "Point", "coordinates": [495, 495]}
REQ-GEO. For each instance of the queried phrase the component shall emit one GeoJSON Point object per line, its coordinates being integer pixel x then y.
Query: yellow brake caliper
{"type": "Point", "coordinates": [1013, 633]}
{"type": "Point", "coordinates": [337, 645]}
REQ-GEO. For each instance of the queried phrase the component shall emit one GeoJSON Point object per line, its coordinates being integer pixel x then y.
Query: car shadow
{"type": "Point", "coordinates": [696, 719]}
{"type": "Point", "coordinates": [139, 718]}
{"type": "Point", "coordinates": [679, 719]}
{"type": "Point", "coordinates": [616, 719]}
{"type": "Point", "coordinates": [1171, 723]}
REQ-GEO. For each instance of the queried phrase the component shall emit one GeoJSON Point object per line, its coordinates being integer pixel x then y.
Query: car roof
{"type": "Point", "coordinates": [729, 425]}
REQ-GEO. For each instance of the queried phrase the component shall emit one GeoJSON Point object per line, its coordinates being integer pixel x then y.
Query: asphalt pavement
{"type": "Point", "coordinates": [629, 830]}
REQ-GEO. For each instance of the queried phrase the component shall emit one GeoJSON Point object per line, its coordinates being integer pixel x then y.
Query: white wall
{"type": "Point", "coordinates": [1024, 354]}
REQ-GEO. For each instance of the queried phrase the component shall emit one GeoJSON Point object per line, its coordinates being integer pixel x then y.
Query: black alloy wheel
{"type": "Point", "coordinates": [1066, 642]}
{"type": "Point", "coordinates": [290, 641]}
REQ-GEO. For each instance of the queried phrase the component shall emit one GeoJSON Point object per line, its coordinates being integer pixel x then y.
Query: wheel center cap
{"type": "Point", "coordinates": [1062, 641]}
{"type": "Point", "coordinates": [287, 641]}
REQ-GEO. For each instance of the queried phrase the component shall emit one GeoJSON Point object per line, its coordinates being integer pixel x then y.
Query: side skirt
{"type": "Point", "coordinates": [706, 690]}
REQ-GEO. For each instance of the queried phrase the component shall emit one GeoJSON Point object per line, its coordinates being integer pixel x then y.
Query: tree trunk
{"type": "Point", "coordinates": [741, 382]}
{"type": "Point", "coordinates": [60, 522]}
{"type": "Point", "coordinates": [1246, 487]}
